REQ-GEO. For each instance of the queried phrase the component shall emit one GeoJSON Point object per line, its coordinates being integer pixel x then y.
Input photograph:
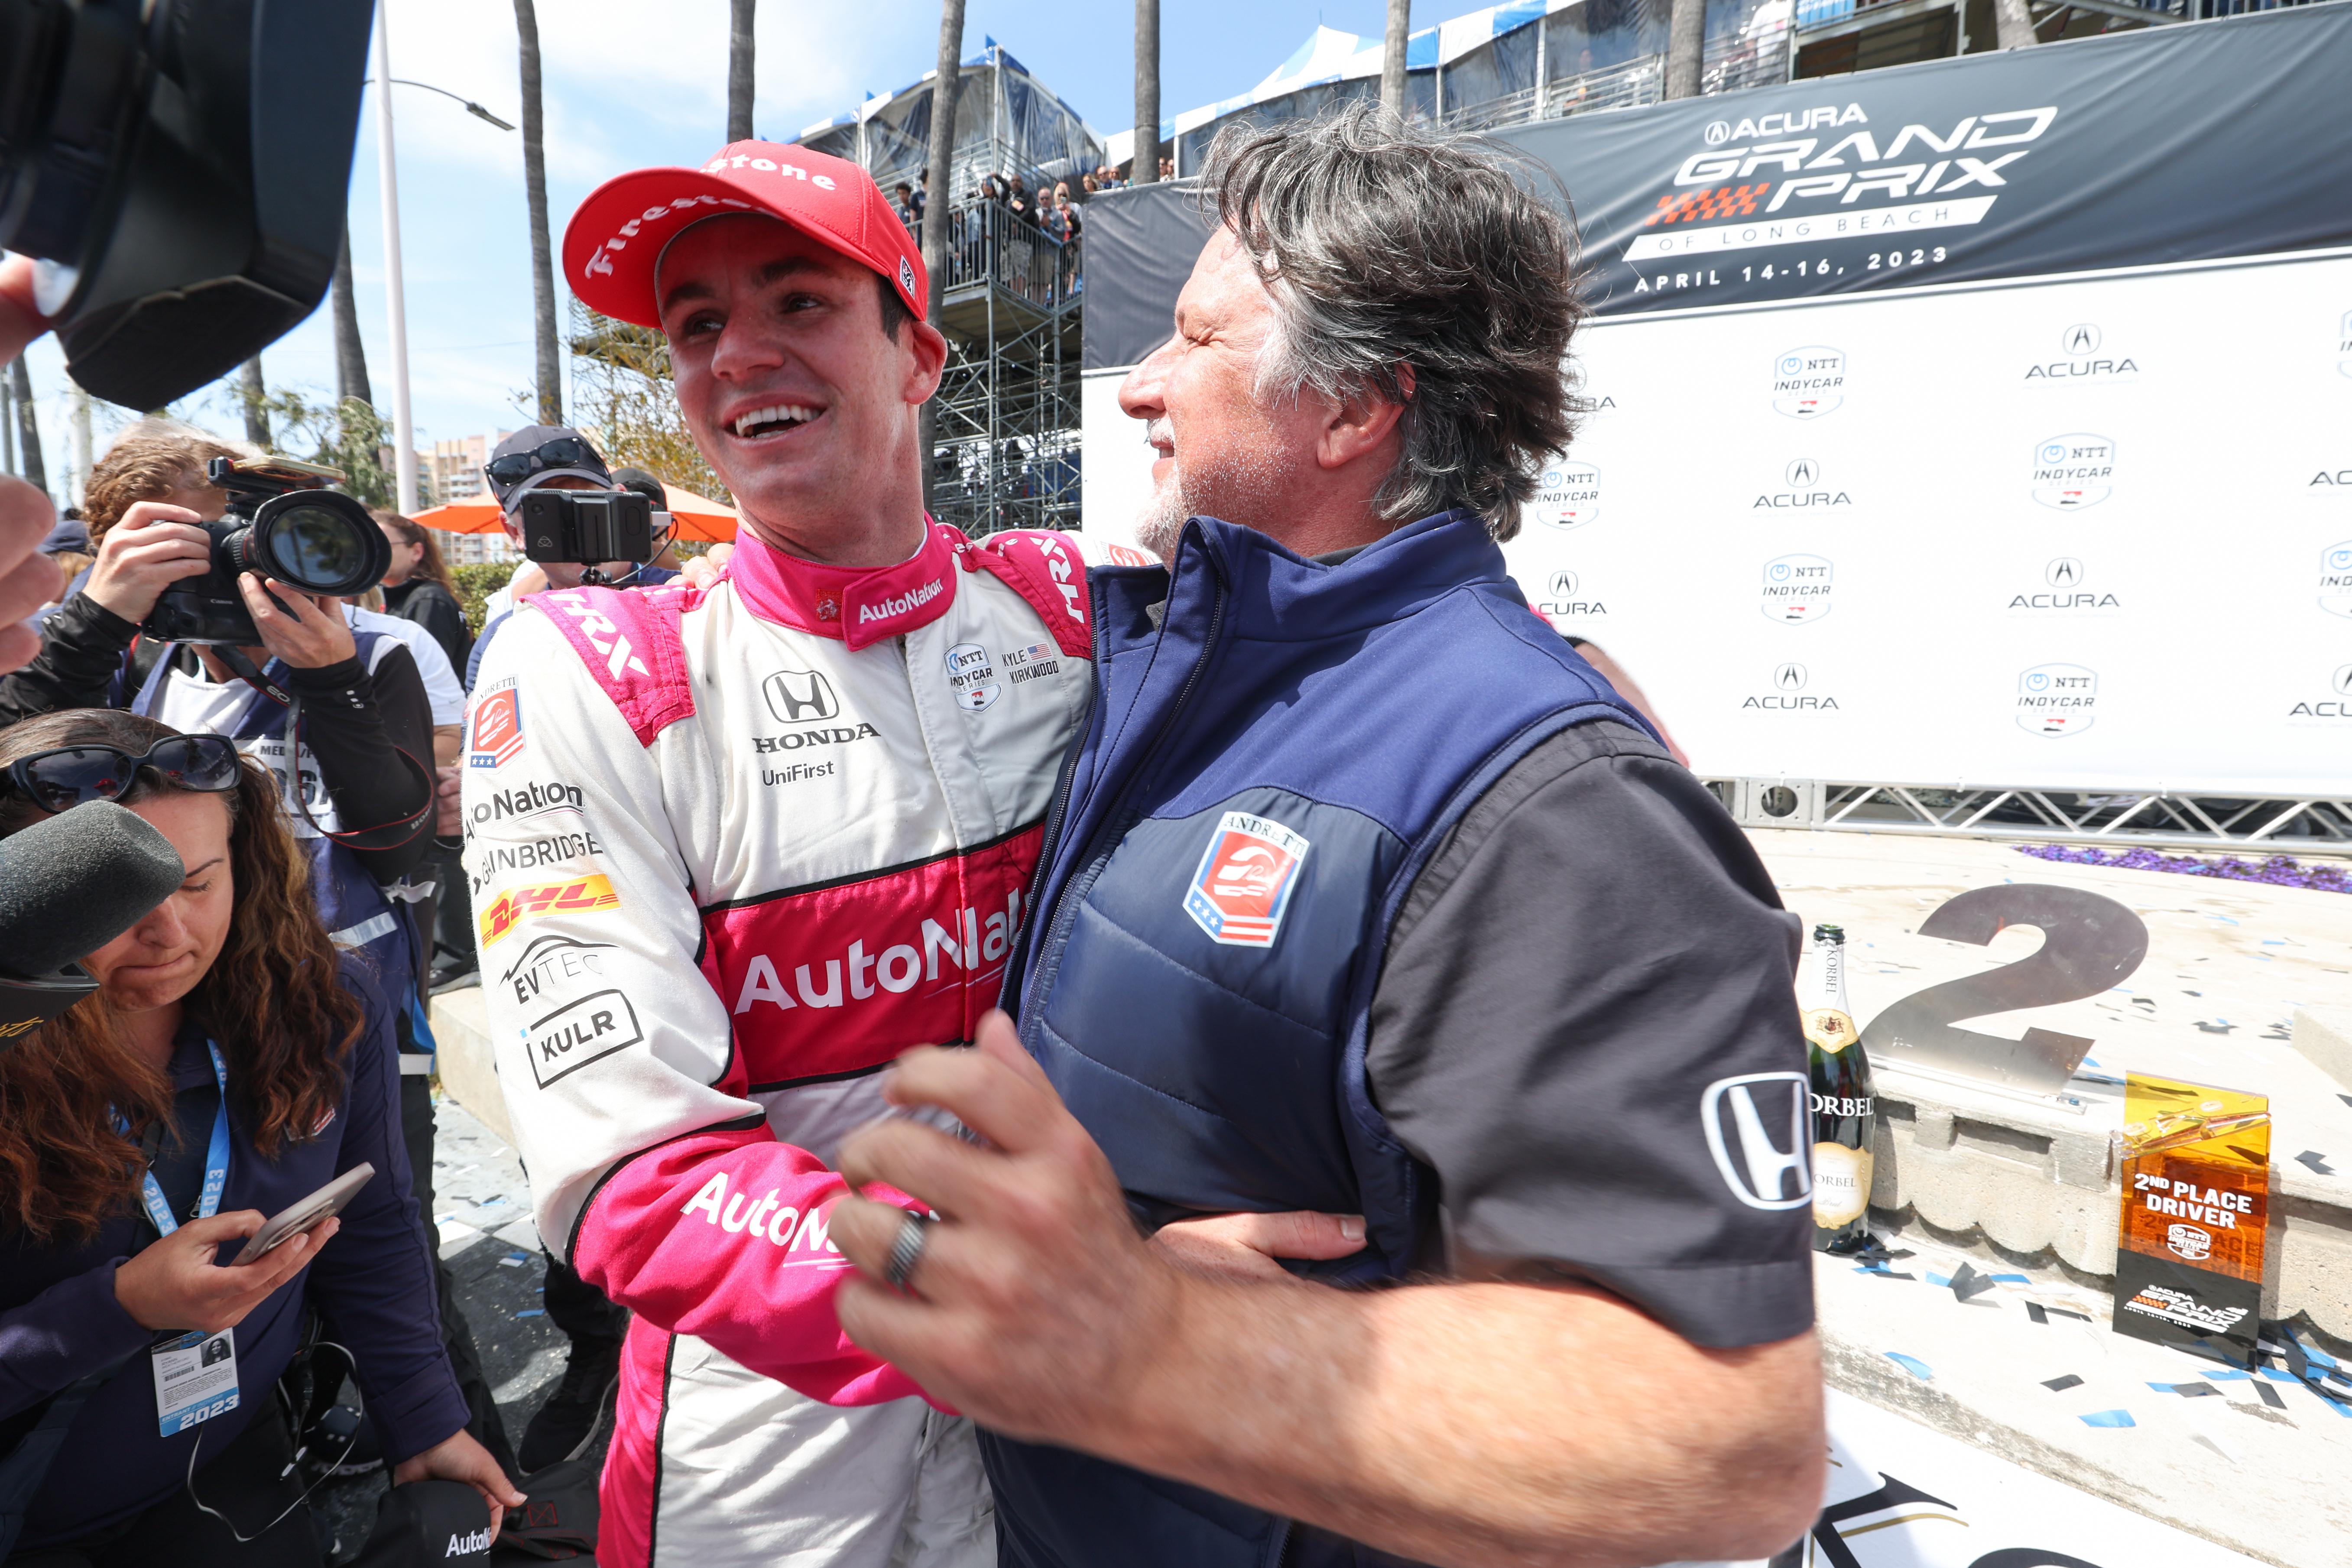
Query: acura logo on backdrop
{"type": "Point", "coordinates": [2073, 470]}
{"type": "Point", "coordinates": [1719, 131]}
{"type": "Point", "coordinates": [1790, 678]}
{"type": "Point", "coordinates": [1808, 381]}
{"type": "Point", "coordinates": [2334, 710]}
{"type": "Point", "coordinates": [1758, 1128]}
{"type": "Point", "coordinates": [2066, 575]}
{"type": "Point", "coordinates": [1563, 602]}
{"type": "Point", "coordinates": [2056, 699]}
{"type": "Point", "coordinates": [2344, 343]}
{"type": "Point", "coordinates": [1568, 495]}
{"type": "Point", "coordinates": [799, 696]}
{"type": "Point", "coordinates": [2336, 579]}
{"type": "Point", "coordinates": [2083, 364]}
{"type": "Point", "coordinates": [1806, 488]}
{"type": "Point", "coordinates": [1788, 694]}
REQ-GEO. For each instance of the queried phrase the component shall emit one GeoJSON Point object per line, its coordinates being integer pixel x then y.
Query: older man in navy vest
{"type": "Point", "coordinates": [1385, 972]}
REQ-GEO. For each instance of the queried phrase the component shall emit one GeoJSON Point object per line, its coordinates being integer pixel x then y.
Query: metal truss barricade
{"type": "Point", "coordinates": [2285, 824]}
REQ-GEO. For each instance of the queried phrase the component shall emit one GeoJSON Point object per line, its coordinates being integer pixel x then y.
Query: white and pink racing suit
{"type": "Point", "coordinates": [732, 852]}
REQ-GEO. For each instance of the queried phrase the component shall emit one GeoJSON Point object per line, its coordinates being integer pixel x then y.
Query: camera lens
{"type": "Point", "coordinates": [321, 542]}
{"type": "Point", "coordinates": [312, 546]}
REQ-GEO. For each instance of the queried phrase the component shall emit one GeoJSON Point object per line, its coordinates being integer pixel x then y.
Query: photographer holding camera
{"type": "Point", "coordinates": [340, 717]}
{"type": "Point", "coordinates": [230, 1063]}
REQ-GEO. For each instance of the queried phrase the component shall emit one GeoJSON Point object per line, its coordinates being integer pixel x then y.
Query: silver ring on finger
{"type": "Point", "coordinates": [906, 1250]}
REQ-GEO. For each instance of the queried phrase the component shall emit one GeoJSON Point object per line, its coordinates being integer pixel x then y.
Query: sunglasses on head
{"type": "Point", "coordinates": [74, 775]}
{"type": "Point", "coordinates": [563, 452]}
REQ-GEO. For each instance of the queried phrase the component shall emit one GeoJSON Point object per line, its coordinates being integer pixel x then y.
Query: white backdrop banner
{"type": "Point", "coordinates": [2094, 532]}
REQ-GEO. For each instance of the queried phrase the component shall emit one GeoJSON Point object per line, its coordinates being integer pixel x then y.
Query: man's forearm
{"type": "Point", "coordinates": [1400, 1418]}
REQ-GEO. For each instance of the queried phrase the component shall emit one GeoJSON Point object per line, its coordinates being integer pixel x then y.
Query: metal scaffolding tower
{"type": "Point", "coordinates": [1005, 426]}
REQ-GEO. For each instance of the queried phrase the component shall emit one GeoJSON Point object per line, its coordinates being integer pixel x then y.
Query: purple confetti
{"type": "Point", "coordinates": [2278, 871]}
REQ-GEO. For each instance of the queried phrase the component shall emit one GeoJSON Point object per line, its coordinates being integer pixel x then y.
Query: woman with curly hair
{"type": "Point", "coordinates": [224, 1025]}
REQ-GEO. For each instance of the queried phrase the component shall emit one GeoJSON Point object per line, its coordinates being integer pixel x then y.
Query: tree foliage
{"type": "Point", "coordinates": [476, 583]}
{"type": "Point", "coordinates": [622, 397]}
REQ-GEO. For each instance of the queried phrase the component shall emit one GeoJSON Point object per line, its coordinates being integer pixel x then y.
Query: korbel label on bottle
{"type": "Point", "coordinates": [1829, 1028]}
{"type": "Point", "coordinates": [1840, 1184]}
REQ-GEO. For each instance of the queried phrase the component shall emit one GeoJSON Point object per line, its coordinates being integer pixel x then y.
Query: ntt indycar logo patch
{"type": "Point", "coordinates": [904, 604]}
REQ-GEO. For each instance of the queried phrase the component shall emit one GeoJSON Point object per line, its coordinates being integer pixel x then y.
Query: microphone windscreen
{"type": "Point", "coordinates": [75, 881]}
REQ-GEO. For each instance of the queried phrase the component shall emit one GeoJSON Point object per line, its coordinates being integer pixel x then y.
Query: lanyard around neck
{"type": "Point", "coordinates": [150, 1192]}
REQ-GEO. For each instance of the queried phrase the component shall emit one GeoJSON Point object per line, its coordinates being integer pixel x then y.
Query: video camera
{"type": "Point", "coordinates": [589, 527]}
{"type": "Point", "coordinates": [285, 525]}
{"type": "Point", "coordinates": [179, 168]}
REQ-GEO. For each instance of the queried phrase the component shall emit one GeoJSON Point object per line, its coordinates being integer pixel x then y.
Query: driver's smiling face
{"type": "Point", "coordinates": [783, 373]}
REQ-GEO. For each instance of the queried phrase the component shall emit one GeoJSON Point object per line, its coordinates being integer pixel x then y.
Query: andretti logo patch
{"type": "Point", "coordinates": [498, 727]}
{"type": "Point", "coordinates": [1244, 882]}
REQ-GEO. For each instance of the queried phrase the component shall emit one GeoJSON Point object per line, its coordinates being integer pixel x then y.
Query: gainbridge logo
{"type": "Point", "coordinates": [516, 905]}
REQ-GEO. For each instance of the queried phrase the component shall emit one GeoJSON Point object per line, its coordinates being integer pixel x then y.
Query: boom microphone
{"type": "Point", "coordinates": [68, 886]}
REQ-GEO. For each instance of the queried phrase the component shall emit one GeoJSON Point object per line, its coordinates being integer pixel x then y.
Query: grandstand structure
{"type": "Point", "coordinates": [1006, 423]}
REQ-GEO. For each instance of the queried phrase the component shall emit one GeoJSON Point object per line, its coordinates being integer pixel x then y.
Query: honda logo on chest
{"type": "Point", "coordinates": [800, 697]}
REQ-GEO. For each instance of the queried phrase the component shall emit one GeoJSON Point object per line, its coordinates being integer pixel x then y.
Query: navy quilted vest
{"type": "Point", "coordinates": [1265, 772]}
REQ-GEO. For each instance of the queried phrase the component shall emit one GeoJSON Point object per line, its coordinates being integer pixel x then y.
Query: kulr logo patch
{"type": "Point", "coordinates": [1245, 880]}
{"type": "Point", "coordinates": [498, 727]}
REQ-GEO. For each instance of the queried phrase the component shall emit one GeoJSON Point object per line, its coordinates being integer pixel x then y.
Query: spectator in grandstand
{"type": "Point", "coordinates": [904, 204]}
{"type": "Point", "coordinates": [419, 587]}
{"type": "Point", "coordinates": [233, 1061]}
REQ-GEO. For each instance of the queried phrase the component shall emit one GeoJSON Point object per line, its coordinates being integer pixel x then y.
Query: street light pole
{"type": "Point", "coordinates": [404, 427]}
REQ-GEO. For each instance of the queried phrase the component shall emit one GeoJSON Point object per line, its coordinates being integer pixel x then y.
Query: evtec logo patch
{"type": "Point", "coordinates": [1241, 888]}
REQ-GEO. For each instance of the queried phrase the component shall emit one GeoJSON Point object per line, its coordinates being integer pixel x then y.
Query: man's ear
{"type": "Point", "coordinates": [1361, 423]}
{"type": "Point", "coordinates": [928, 359]}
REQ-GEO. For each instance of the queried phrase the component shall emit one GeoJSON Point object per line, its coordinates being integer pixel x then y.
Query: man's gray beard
{"type": "Point", "coordinates": [1162, 523]}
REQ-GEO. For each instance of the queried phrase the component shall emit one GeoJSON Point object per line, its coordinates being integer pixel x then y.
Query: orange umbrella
{"type": "Point", "coordinates": [696, 518]}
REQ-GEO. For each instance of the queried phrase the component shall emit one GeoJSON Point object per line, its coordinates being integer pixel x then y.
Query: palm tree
{"type": "Point", "coordinates": [739, 71]}
{"type": "Point", "coordinates": [1146, 167]}
{"type": "Point", "coordinates": [1392, 50]}
{"type": "Point", "coordinates": [254, 397]}
{"type": "Point", "coordinates": [947, 86]}
{"type": "Point", "coordinates": [534, 184]}
{"type": "Point", "coordinates": [351, 355]}
{"type": "Point", "coordinates": [1685, 46]}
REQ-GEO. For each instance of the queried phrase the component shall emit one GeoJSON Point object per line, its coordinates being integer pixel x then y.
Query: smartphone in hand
{"type": "Point", "coordinates": [301, 1214]}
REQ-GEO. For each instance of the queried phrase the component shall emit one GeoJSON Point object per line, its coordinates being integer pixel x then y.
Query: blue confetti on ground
{"type": "Point", "coordinates": [533, 1312]}
{"type": "Point", "coordinates": [2109, 1419]}
{"type": "Point", "coordinates": [1912, 1364]}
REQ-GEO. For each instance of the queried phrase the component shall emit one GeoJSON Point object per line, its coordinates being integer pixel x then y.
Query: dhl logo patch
{"type": "Point", "coordinates": [516, 905]}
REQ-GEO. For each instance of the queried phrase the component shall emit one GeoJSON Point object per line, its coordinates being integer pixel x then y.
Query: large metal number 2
{"type": "Point", "coordinates": [2089, 944]}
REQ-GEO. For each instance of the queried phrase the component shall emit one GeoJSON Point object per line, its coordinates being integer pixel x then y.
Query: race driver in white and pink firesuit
{"type": "Point", "coordinates": [738, 845]}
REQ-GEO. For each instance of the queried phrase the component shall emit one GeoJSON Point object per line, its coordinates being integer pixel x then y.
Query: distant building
{"type": "Point", "coordinates": [452, 471]}
{"type": "Point", "coordinates": [474, 549]}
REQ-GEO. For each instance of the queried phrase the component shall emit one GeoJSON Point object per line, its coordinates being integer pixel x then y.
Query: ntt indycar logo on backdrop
{"type": "Point", "coordinates": [1568, 495]}
{"type": "Point", "coordinates": [2057, 700]}
{"type": "Point", "coordinates": [2074, 472]}
{"type": "Point", "coordinates": [1808, 383]}
{"type": "Point", "coordinates": [1797, 589]}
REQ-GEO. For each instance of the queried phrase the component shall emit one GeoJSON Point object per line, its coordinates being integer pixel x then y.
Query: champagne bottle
{"type": "Point", "coordinates": [1844, 1105]}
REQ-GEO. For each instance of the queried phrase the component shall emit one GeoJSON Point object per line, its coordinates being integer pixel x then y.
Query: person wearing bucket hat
{"type": "Point", "coordinates": [737, 845]}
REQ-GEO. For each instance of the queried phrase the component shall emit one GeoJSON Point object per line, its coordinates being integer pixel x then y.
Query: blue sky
{"type": "Point", "coordinates": [634, 82]}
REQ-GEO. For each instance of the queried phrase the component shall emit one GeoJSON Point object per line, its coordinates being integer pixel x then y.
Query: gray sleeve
{"type": "Point", "coordinates": [1573, 988]}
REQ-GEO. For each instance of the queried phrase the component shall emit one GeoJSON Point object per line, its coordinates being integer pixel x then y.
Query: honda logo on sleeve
{"type": "Point", "coordinates": [1758, 1129]}
{"type": "Point", "coordinates": [800, 696]}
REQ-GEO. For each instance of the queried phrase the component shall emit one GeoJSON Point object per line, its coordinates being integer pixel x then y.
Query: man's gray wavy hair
{"type": "Point", "coordinates": [1386, 246]}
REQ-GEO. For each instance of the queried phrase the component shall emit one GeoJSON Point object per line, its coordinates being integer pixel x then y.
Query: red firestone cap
{"type": "Point", "coordinates": [613, 242]}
